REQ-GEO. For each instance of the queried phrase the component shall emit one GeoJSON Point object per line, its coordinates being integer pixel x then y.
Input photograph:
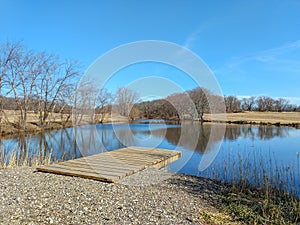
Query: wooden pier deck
{"type": "Point", "coordinates": [114, 165]}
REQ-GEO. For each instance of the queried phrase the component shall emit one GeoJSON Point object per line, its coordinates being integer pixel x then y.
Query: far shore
{"type": "Point", "coordinates": [57, 121]}
{"type": "Point", "coordinates": [257, 118]}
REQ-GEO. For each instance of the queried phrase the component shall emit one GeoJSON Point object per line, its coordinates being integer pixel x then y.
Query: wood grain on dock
{"type": "Point", "coordinates": [114, 165]}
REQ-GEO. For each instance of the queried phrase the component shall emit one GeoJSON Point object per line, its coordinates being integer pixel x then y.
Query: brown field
{"type": "Point", "coordinates": [276, 118]}
{"type": "Point", "coordinates": [10, 119]}
{"type": "Point", "coordinates": [12, 116]}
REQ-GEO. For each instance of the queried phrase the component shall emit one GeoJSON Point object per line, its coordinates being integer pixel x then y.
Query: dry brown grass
{"type": "Point", "coordinates": [12, 160]}
{"type": "Point", "coordinates": [9, 126]}
{"type": "Point", "coordinates": [10, 120]}
{"type": "Point", "coordinates": [285, 118]}
{"type": "Point", "coordinates": [13, 117]}
{"type": "Point", "coordinates": [210, 217]}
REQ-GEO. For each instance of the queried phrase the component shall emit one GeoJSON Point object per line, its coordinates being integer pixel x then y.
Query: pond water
{"type": "Point", "coordinates": [254, 153]}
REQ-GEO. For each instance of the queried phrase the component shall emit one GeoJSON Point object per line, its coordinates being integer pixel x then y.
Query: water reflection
{"type": "Point", "coordinates": [190, 132]}
{"type": "Point", "coordinates": [234, 132]}
{"type": "Point", "coordinates": [202, 132]}
{"type": "Point", "coordinates": [87, 140]}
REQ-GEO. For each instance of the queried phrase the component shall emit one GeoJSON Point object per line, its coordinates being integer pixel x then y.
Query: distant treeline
{"type": "Point", "coordinates": [180, 105]}
{"type": "Point", "coordinates": [261, 104]}
{"type": "Point", "coordinates": [191, 104]}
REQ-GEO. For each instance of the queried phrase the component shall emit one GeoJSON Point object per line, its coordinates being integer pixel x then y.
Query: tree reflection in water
{"type": "Point", "coordinates": [202, 132]}
{"type": "Point", "coordinates": [87, 140]}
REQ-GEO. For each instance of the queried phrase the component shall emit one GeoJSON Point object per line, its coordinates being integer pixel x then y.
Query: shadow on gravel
{"type": "Point", "coordinates": [202, 187]}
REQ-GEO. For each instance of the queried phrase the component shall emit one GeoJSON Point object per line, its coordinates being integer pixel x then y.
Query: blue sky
{"type": "Point", "coordinates": [253, 47]}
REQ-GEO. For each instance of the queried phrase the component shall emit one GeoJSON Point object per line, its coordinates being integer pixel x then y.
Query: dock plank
{"type": "Point", "coordinates": [108, 165]}
{"type": "Point", "coordinates": [114, 165]}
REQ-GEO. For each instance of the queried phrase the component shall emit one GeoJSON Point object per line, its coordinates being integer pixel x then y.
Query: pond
{"type": "Point", "coordinates": [256, 154]}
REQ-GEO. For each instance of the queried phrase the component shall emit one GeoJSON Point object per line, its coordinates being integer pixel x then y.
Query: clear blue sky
{"type": "Point", "coordinates": [253, 47]}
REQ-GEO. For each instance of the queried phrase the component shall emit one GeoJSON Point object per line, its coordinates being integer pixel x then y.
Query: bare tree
{"type": "Point", "coordinates": [103, 102]}
{"type": "Point", "coordinates": [64, 104]}
{"type": "Point", "coordinates": [175, 100]}
{"type": "Point", "coordinates": [248, 103]}
{"type": "Point", "coordinates": [166, 110]}
{"type": "Point", "coordinates": [134, 113]}
{"type": "Point", "coordinates": [183, 104]}
{"type": "Point", "coordinates": [200, 99]}
{"type": "Point", "coordinates": [125, 99]}
{"type": "Point", "coordinates": [264, 103]}
{"type": "Point", "coordinates": [232, 104]}
{"type": "Point", "coordinates": [8, 52]}
{"type": "Point", "coordinates": [281, 104]}
{"type": "Point", "coordinates": [21, 74]}
{"type": "Point", "coordinates": [55, 79]}
{"type": "Point", "coordinates": [36, 81]}
{"type": "Point", "coordinates": [146, 109]}
{"type": "Point", "coordinates": [85, 98]}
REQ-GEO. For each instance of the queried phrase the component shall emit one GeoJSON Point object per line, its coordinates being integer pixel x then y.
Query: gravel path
{"type": "Point", "coordinates": [29, 197]}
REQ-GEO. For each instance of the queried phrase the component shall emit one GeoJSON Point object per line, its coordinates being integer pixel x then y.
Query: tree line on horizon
{"type": "Point", "coordinates": [259, 104]}
{"type": "Point", "coordinates": [179, 105]}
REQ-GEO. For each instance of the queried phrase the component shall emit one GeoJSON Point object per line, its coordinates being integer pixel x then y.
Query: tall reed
{"type": "Point", "coordinates": [260, 190]}
{"type": "Point", "coordinates": [15, 158]}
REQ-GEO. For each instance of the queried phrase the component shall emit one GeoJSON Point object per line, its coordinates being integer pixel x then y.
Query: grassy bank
{"type": "Point", "coordinates": [9, 125]}
{"type": "Point", "coordinates": [260, 118]}
{"type": "Point", "coordinates": [259, 190]}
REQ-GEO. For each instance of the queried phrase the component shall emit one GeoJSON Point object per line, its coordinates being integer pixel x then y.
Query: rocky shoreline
{"type": "Point", "coordinates": [29, 197]}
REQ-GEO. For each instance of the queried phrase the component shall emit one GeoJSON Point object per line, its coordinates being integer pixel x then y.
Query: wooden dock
{"type": "Point", "coordinates": [114, 165]}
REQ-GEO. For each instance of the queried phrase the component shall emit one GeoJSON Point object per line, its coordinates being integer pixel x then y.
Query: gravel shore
{"type": "Point", "coordinates": [29, 197]}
